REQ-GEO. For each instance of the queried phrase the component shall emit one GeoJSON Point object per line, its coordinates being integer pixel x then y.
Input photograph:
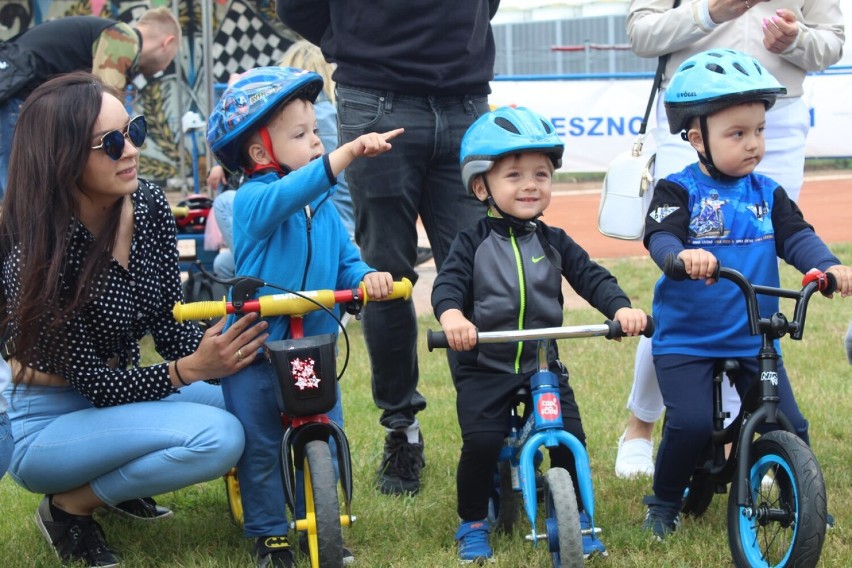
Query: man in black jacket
{"type": "Point", "coordinates": [424, 66]}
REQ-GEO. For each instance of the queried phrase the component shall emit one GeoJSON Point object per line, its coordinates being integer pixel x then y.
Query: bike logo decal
{"type": "Point", "coordinates": [772, 377]}
{"type": "Point", "coordinates": [303, 373]}
{"type": "Point", "coordinates": [661, 213]}
{"type": "Point", "coordinates": [537, 259]}
{"type": "Point", "coordinates": [548, 406]}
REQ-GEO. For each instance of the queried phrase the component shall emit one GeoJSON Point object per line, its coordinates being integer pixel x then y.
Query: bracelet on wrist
{"type": "Point", "coordinates": [177, 372]}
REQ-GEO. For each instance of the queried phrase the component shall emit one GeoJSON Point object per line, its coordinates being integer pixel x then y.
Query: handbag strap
{"type": "Point", "coordinates": [658, 78]}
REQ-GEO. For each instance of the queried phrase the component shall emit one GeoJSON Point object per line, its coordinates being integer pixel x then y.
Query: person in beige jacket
{"type": "Point", "coordinates": [789, 38]}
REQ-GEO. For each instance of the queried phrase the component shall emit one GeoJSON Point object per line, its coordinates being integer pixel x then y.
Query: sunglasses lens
{"type": "Point", "coordinates": [136, 130]}
{"type": "Point", "coordinates": [113, 144]}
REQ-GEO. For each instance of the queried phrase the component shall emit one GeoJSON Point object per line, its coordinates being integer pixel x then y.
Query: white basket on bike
{"type": "Point", "coordinates": [307, 373]}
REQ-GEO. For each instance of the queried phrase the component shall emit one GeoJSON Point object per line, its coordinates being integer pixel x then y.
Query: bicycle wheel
{"type": "Point", "coordinates": [325, 541]}
{"type": "Point", "coordinates": [504, 504]}
{"type": "Point", "coordinates": [232, 491]}
{"type": "Point", "coordinates": [784, 524]}
{"type": "Point", "coordinates": [699, 495]}
{"type": "Point", "coordinates": [562, 520]}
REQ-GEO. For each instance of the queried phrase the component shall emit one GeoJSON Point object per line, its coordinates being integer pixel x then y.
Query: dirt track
{"type": "Point", "coordinates": [826, 201]}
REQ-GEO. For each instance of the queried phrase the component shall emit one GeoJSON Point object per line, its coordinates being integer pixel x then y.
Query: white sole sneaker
{"type": "Point", "coordinates": [634, 458]}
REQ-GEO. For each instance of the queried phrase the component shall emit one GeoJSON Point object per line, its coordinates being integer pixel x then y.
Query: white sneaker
{"type": "Point", "coordinates": [634, 458]}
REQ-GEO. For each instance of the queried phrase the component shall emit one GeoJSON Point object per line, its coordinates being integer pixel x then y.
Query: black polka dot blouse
{"type": "Point", "coordinates": [97, 350]}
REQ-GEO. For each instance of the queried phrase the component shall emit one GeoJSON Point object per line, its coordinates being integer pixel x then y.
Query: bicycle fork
{"type": "Point", "coordinates": [549, 432]}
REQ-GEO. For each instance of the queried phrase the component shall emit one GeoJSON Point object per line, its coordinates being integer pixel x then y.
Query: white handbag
{"type": "Point", "coordinates": [629, 182]}
{"type": "Point", "coordinates": [626, 193]}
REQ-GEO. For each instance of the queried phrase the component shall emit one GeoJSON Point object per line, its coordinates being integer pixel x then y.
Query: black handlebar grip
{"type": "Point", "coordinates": [649, 328]}
{"type": "Point", "coordinates": [674, 268]}
{"type": "Point", "coordinates": [616, 331]}
{"type": "Point", "coordinates": [436, 340]}
{"type": "Point", "coordinates": [831, 285]}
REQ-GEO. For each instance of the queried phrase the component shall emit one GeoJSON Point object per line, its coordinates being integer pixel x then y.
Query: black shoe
{"type": "Point", "coordinates": [273, 552]}
{"type": "Point", "coordinates": [424, 254]}
{"type": "Point", "coordinates": [348, 557]}
{"type": "Point", "coordinates": [142, 509]}
{"type": "Point", "coordinates": [79, 539]}
{"type": "Point", "coordinates": [399, 472]}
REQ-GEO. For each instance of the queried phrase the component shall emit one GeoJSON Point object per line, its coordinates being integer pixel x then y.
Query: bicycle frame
{"type": "Point", "coordinates": [769, 328]}
{"type": "Point", "coordinates": [544, 425]}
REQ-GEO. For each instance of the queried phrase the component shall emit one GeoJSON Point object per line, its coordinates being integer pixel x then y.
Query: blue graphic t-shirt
{"type": "Point", "coordinates": [743, 223]}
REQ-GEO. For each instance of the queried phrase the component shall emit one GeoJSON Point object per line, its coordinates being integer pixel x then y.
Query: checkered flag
{"type": "Point", "coordinates": [245, 40]}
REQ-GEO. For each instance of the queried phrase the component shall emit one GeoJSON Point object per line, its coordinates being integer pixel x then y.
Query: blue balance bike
{"type": "Point", "coordinates": [535, 421]}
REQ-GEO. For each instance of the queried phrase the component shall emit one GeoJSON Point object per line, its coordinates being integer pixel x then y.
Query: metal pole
{"type": "Point", "coordinates": [207, 38]}
{"type": "Point", "coordinates": [179, 86]}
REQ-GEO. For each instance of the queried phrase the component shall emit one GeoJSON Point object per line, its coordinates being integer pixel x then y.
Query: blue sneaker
{"type": "Point", "coordinates": [473, 541]}
{"type": "Point", "coordinates": [592, 545]}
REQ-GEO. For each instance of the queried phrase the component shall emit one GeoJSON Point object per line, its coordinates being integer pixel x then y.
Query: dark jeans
{"type": "Point", "coordinates": [420, 176]}
{"type": "Point", "coordinates": [687, 386]}
{"type": "Point", "coordinates": [9, 111]}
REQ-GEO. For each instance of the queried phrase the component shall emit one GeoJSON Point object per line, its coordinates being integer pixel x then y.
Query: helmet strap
{"type": "Point", "coordinates": [706, 158]}
{"type": "Point", "coordinates": [266, 140]}
{"type": "Point", "coordinates": [516, 222]}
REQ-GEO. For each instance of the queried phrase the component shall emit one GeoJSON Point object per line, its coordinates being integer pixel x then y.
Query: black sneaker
{"type": "Point", "coordinates": [143, 509]}
{"type": "Point", "coordinates": [399, 472]}
{"type": "Point", "coordinates": [273, 552]}
{"type": "Point", "coordinates": [424, 254]}
{"type": "Point", "coordinates": [79, 539]}
{"type": "Point", "coordinates": [348, 557]}
{"type": "Point", "coordinates": [662, 518]}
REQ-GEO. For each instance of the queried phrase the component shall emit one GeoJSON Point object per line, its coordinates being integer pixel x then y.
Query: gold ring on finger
{"type": "Point", "coordinates": [240, 355]}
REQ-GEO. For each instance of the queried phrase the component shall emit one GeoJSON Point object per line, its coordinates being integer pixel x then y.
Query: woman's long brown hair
{"type": "Point", "coordinates": [51, 146]}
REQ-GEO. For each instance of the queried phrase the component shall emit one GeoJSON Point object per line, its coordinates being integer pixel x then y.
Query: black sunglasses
{"type": "Point", "coordinates": [112, 143]}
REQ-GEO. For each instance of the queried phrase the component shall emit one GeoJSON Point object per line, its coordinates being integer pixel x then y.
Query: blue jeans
{"type": "Point", "coordinates": [7, 443]}
{"type": "Point", "coordinates": [419, 177]}
{"type": "Point", "coordinates": [124, 452]}
{"type": "Point", "coordinates": [687, 386]}
{"type": "Point", "coordinates": [9, 111]}
{"type": "Point", "coordinates": [252, 396]}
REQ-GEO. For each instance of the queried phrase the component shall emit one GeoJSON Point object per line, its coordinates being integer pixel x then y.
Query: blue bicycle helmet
{"type": "Point", "coordinates": [506, 131]}
{"type": "Point", "coordinates": [716, 79]}
{"type": "Point", "coordinates": [246, 105]}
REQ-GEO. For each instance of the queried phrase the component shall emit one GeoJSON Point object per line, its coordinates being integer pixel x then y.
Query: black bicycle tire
{"type": "Point", "coordinates": [561, 505]}
{"type": "Point", "coordinates": [800, 472]}
{"type": "Point", "coordinates": [700, 494]}
{"type": "Point", "coordinates": [505, 502]}
{"type": "Point", "coordinates": [321, 500]}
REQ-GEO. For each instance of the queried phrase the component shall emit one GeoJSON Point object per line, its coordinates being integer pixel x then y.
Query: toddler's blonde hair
{"type": "Point", "coordinates": [305, 55]}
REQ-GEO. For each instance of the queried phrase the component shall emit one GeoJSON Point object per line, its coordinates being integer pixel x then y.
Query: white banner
{"type": "Point", "coordinates": [598, 119]}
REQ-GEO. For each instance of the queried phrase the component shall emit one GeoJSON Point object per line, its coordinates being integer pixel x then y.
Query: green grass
{"type": "Point", "coordinates": [417, 531]}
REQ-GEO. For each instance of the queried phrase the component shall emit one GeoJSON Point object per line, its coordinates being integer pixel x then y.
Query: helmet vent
{"type": "Point", "coordinates": [715, 68]}
{"type": "Point", "coordinates": [506, 124]}
{"type": "Point", "coordinates": [547, 127]}
{"type": "Point", "coordinates": [740, 68]}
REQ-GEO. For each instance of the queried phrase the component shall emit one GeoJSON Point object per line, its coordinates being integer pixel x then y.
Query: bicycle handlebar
{"type": "Point", "coordinates": [813, 281]}
{"type": "Point", "coordinates": [609, 329]}
{"type": "Point", "coordinates": [297, 304]}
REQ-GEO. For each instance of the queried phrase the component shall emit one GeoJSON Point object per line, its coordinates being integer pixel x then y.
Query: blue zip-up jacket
{"type": "Point", "coordinates": [288, 233]}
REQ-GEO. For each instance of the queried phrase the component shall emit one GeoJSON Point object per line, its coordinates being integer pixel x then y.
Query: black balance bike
{"type": "Point", "coordinates": [777, 502]}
